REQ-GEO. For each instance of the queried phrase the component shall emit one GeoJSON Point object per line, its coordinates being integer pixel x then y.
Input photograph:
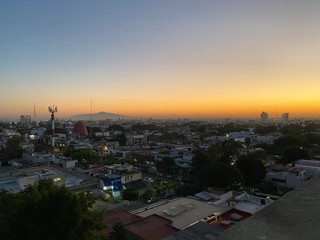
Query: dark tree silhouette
{"type": "Point", "coordinates": [47, 211]}
{"type": "Point", "coordinates": [165, 166]}
{"type": "Point", "coordinates": [294, 153]}
{"type": "Point", "coordinates": [252, 169]}
{"type": "Point", "coordinates": [221, 175]}
{"type": "Point", "coordinates": [118, 232]}
{"type": "Point", "coordinates": [130, 194]}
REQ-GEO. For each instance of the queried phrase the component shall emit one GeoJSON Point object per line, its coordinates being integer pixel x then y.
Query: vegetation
{"type": "Point", "coordinates": [12, 149]}
{"type": "Point", "coordinates": [118, 232]}
{"type": "Point", "coordinates": [121, 138]}
{"type": "Point", "coordinates": [130, 194]}
{"type": "Point", "coordinates": [165, 166]}
{"type": "Point", "coordinates": [187, 189]}
{"type": "Point", "coordinates": [221, 175]}
{"type": "Point", "coordinates": [252, 169]}
{"type": "Point", "coordinates": [116, 127]}
{"type": "Point", "coordinates": [172, 136]}
{"type": "Point", "coordinates": [47, 211]}
{"type": "Point", "coordinates": [145, 127]}
{"type": "Point", "coordinates": [213, 167]}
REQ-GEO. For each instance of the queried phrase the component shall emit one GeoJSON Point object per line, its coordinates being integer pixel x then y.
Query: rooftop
{"type": "Point", "coordinates": [183, 211]}
{"type": "Point", "coordinates": [199, 231]}
{"type": "Point", "coordinates": [228, 219]}
{"type": "Point", "coordinates": [71, 178]}
{"type": "Point", "coordinates": [152, 227]}
{"type": "Point", "coordinates": [121, 216]}
{"type": "Point", "coordinates": [292, 217]}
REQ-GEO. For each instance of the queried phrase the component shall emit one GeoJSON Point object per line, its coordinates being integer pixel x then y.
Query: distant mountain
{"type": "Point", "coordinates": [97, 116]}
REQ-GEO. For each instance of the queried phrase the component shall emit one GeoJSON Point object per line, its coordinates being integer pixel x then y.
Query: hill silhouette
{"type": "Point", "coordinates": [97, 116]}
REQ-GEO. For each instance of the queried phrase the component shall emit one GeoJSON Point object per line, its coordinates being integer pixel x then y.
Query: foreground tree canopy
{"type": "Point", "coordinates": [47, 211]}
{"type": "Point", "coordinates": [213, 167]}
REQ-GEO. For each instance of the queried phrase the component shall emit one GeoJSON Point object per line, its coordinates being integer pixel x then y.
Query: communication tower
{"type": "Point", "coordinates": [52, 109]}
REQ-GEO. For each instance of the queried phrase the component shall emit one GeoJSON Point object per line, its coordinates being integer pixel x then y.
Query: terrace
{"type": "Point", "coordinates": [227, 219]}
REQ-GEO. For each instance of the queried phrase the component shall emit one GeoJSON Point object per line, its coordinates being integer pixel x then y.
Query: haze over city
{"type": "Point", "coordinates": [160, 58]}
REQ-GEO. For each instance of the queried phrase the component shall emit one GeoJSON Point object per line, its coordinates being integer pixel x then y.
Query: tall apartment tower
{"type": "Point", "coordinates": [25, 118]}
{"type": "Point", "coordinates": [285, 117]}
{"type": "Point", "coordinates": [264, 117]}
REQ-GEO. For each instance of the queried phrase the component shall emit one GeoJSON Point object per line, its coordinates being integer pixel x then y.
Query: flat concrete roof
{"type": "Point", "coordinates": [152, 227]}
{"type": "Point", "coordinates": [295, 216]}
{"type": "Point", "coordinates": [199, 231]}
{"type": "Point", "coordinates": [184, 211]}
{"type": "Point", "coordinates": [72, 179]}
{"type": "Point", "coordinates": [120, 216]}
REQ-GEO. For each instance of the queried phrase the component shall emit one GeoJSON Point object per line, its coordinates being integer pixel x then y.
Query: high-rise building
{"type": "Point", "coordinates": [285, 117]}
{"type": "Point", "coordinates": [25, 118]}
{"type": "Point", "coordinates": [264, 117]}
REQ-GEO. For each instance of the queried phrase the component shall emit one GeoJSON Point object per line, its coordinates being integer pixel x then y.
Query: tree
{"type": "Point", "coordinates": [252, 169]}
{"type": "Point", "coordinates": [263, 130]}
{"type": "Point", "coordinates": [150, 192]}
{"type": "Point", "coordinates": [248, 141]}
{"type": "Point", "coordinates": [292, 129]}
{"type": "Point", "coordinates": [199, 160]}
{"type": "Point", "coordinates": [13, 149]}
{"type": "Point", "coordinates": [259, 154]}
{"type": "Point", "coordinates": [116, 127]}
{"type": "Point", "coordinates": [187, 189]}
{"type": "Point", "coordinates": [229, 149]}
{"type": "Point", "coordinates": [221, 175]}
{"type": "Point", "coordinates": [118, 232]}
{"type": "Point", "coordinates": [214, 153]}
{"type": "Point", "coordinates": [47, 211]}
{"type": "Point", "coordinates": [293, 153]}
{"type": "Point", "coordinates": [121, 138]}
{"type": "Point", "coordinates": [165, 166]}
{"type": "Point", "coordinates": [130, 194]}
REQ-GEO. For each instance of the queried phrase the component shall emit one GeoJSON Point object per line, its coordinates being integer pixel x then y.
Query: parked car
{"type": "Point", "coordinates": [152, 200]}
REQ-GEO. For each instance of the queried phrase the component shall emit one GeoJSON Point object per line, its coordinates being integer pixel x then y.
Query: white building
{"type": "Point", "coordinates": [287, 179]}
{"type": "Point", "coordinates": [312, 167]}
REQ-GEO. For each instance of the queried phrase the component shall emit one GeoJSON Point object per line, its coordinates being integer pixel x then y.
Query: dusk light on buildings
{"type": "Point", "coordinates": [177, 120]}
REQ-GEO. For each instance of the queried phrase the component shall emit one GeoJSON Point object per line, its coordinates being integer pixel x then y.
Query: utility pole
{"type": "Point", "coordinates": [53, 109]}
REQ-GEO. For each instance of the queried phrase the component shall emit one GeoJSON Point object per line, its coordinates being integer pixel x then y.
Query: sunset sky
{"type": "Point", "coordinates": [168, 58]}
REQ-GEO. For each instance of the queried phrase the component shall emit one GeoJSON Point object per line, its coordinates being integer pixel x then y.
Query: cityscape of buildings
{"type": "Point", "coordinates": [110, 157]}
{"type": "Point", "coordinates": [212, 129]}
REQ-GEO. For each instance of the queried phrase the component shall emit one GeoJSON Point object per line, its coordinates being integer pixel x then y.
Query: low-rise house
{"type": "Point", "coordinates": [287, 177]}
{"type": "Point", "coordinates": [18, 179]}
{"type": "Point", "coordinates": [312, 167]}
{"type": "Point", "coordinates": [136, 139]}
{"type": "Point", "coordinates": [183, 211]}
{"type": "Point", "coordinates": [111, 183]}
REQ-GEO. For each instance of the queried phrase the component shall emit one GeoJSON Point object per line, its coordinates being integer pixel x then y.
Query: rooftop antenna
{"type": "Point", "coordinates": [52, 109]}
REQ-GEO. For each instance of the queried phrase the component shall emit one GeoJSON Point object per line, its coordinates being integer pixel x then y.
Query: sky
{"type": "Point", "coordinates": [168, 58]}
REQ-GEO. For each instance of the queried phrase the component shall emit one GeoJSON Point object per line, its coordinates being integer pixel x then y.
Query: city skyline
{"type": "Point", "coordinates": [160, 58]}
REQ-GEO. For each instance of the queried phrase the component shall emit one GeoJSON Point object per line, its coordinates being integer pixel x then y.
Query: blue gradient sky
{"type": "Point", "coordinates": [160, 58]}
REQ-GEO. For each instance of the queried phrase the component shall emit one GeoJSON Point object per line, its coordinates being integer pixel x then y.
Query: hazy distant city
{"type": "Point", "coordinates": [190, 177]}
